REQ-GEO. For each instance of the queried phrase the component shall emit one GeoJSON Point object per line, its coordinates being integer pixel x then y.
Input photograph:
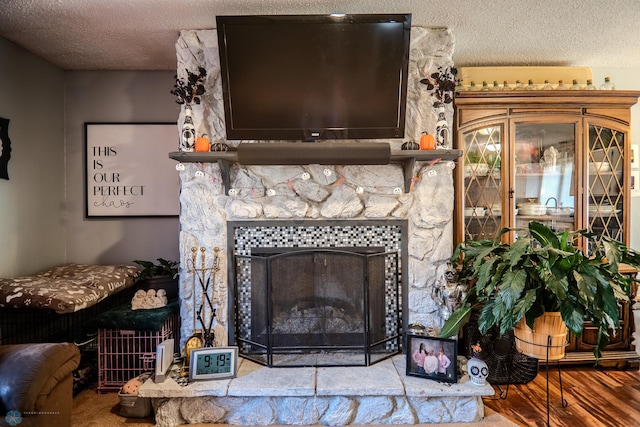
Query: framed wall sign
{"type": "Point", "coordinates": [211, 363]}
{"type": "Point", "coordinates": [432, 357]}
{"type": "Point", "coordinates": [128, 171]}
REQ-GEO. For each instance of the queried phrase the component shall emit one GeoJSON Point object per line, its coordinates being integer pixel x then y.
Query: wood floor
{"type": "Point", "coordinates": [594, 397]}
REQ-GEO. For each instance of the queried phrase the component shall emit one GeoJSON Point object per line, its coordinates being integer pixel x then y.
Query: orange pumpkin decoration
{"type": "Point", "coordinates": [427, 142]}
{"type": "Point", "coordinates": [202, 143]}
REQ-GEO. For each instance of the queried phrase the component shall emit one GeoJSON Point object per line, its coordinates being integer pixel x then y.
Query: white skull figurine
{"type": "Point", "coordinates": [478, 371]}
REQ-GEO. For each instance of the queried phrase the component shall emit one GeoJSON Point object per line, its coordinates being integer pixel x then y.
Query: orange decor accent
{"type": "Point", "coordinates": [203, 144]}
{"type": "Point", "coordinates": [414, 180]}
{"type": "Point", "coordinates": [427, 142]}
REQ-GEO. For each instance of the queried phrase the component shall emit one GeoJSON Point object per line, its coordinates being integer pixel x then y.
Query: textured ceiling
{"type": "Point", "coordinates": [141, 34]}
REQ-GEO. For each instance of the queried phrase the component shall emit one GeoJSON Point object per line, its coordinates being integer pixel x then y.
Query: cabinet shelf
{"type": "Point", "coordinates": [533, 174]}
{"type": "Point", "coordinates": [559, 218]}
{"type": "Point", "coordinates": [607, 173]}
{"type": "Point", "coordinates": [488, 175]}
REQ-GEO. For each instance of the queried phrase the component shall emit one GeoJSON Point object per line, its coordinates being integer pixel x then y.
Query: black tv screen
{"type": "Point", "coordinates": [314, 77]}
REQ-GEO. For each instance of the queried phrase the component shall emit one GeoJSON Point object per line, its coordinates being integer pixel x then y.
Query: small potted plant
{"type": "Point", "coordinates": [162, 274]}
{"type": "Point", "coordinates": [514, 285]}
{"type": "Point", "coordinates": [475, 164]}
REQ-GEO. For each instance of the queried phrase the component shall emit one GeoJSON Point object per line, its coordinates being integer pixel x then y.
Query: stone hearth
{"type": "Point", "coordinates": [338, 396]}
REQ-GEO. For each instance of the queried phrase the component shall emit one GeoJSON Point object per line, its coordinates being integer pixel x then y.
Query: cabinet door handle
{"type": "Point", "coordinates": [511, 193]}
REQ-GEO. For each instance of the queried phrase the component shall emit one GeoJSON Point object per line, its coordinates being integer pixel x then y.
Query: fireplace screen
{"type": "Point", "coordinates": [317, 307]}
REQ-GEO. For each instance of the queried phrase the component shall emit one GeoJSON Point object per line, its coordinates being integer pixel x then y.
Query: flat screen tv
{"type": "Point", "coordinates": [314, 77]}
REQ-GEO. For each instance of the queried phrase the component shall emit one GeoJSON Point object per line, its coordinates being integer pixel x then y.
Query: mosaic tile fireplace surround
{"type": "Point", "coordinates": [335, 294]}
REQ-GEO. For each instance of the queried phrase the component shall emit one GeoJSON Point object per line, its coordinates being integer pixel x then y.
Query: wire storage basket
{"type": "Point", "coordinates": [506, 364]}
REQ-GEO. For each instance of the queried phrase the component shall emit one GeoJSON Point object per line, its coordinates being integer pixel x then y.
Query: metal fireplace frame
{"type": "Point", "coordinates": [370, 349]}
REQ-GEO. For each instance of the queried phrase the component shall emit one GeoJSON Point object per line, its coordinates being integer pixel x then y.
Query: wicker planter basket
{"type": "Point", "coordinates": [535, 342]}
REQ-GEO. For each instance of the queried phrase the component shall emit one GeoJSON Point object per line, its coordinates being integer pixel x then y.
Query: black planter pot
{"type": "Point", "coordinates": [168, 283]}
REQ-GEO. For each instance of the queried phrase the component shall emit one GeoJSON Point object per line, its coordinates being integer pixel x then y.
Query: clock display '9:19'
{"type": "Point", "coordinates": [213, 363]}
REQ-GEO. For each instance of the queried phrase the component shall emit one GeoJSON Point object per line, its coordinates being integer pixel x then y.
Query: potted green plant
{"type": "Point", "coordinates": [542, 272]}
{"type": "Point", "coordinates": [162, 274]}
{"type": "Point", "coordinates": [475, 164]}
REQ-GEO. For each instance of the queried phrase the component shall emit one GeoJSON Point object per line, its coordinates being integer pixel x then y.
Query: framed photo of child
{"type": "Point", "coordinates": [432, 357]}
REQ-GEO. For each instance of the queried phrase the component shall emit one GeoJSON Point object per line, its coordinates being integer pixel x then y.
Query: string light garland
{"type": "Point", "coordinates": [341, 180]}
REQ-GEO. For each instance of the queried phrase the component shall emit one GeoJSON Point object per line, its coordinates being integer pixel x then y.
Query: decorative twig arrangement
{"type": "Point", "coordinates": [206, 310]}
{"type": "Point", "coordinates": [442, 85]}
{"type": "Point", "coordinates": [189, 91]}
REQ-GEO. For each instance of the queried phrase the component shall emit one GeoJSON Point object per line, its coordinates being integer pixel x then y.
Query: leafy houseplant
{"type": "Point", "coordinates": [475, 164]}
{"type": "Point", "coordinates": [493, 160]}
{"type": "Point", "coordinates": [160, 275]}
{"type": "Point", "coordinates": [162, 268]}
{"type": "Point", "coordinates": [474, 157]}
{"type": "Point", "coordinates": [540, 272]}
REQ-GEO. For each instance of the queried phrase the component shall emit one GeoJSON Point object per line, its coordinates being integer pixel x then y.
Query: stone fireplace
{"type": "Point", "coordinates": [355, 194]}
{"type": "Point", "coordinates": [259, 216]}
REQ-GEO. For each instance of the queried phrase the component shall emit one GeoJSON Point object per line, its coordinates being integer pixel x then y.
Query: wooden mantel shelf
{"type": "Point", "coordinates": [406, 157]}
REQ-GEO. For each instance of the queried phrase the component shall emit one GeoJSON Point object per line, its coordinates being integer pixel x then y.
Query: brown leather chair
{"type": "Point", "coordinates": [36, 384]}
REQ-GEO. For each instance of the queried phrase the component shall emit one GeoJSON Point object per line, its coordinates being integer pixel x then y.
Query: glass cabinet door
{"type": "Point", "coordinates": [605, 169]}
{"type": "Point", "coordinates": [483, 183]}
{"type": "Point", "coordinates": [545, 174]}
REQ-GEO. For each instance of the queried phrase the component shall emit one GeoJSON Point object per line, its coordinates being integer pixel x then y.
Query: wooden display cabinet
{"type": "Point", "coordinates": [558, 157]}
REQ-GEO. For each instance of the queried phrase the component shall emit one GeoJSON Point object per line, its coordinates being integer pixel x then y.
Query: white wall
{"type": "Point", "coordinates": [114, 96]}
{"type": "Point", "coordinates": [32, 207]}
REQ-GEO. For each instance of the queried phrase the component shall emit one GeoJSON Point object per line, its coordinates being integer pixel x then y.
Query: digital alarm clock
{"type": "Point", "coordinates": [212, 363]}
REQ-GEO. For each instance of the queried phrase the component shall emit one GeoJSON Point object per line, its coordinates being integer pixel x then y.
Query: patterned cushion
{"type": "Point", "coordinates": [66, 288]}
